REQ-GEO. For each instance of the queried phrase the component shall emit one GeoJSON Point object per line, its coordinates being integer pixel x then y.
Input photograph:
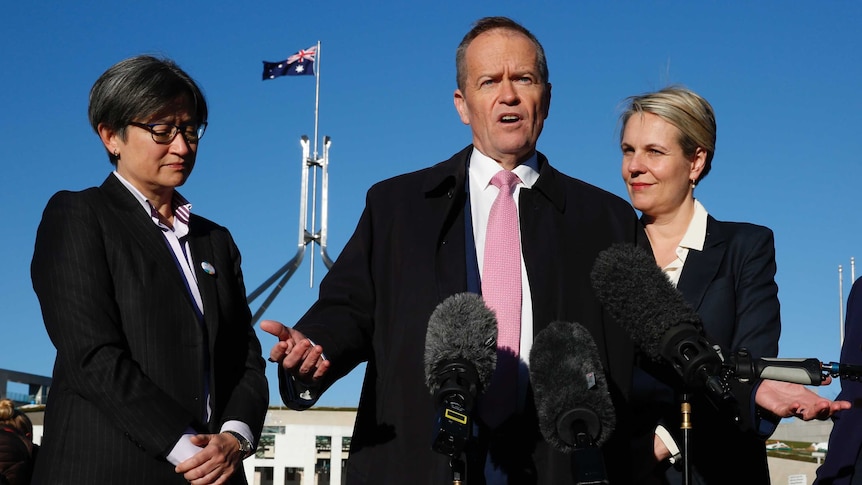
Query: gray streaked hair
{"type": "Point", "coordinates": [139, 87]}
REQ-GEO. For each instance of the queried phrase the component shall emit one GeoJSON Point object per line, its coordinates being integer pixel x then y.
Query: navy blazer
{"type": "Point", "coordinates": [131, 350]}
{"type": "Point", "coordinates": [407, 255]}
{"type": "Point", "coordinates": [843, 464]}
{"type": "Point", "coordinates": [731, 285]}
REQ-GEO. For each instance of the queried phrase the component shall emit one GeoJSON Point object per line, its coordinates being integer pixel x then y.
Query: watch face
{"type": "Point", "coordinates": [244, 445]}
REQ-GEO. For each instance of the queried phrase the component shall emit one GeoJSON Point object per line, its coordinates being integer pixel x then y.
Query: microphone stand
{"type": "Point", "coordinates": [457, 466]}
{"type": "Point", "coordinates": [685, 425]}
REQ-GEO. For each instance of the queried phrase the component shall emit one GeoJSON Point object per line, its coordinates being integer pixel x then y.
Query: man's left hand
{"type": "Point", "coordinates": [214, 464]}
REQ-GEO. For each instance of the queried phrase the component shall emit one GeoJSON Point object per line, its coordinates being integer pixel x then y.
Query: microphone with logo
{"type": "Point", "coordinates": [639, 296]}
{"type": "Point", "coordinates": [460, 357]}
{"type": "Point", "coordinates": [574, 407]}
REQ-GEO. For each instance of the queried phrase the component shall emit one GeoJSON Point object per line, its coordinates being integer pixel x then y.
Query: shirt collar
{"type": "Point", "coordinates": [179, 206]}
{"type": "Point", "coordinates": [695, 235]}
{"type": "Point", "coordinates": [484, 168]}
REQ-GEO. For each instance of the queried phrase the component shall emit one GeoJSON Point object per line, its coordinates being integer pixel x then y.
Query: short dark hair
{"type": "Point", "coordinates": [137, 88]}
{"type": "Point", "coordinates": [486, 24]}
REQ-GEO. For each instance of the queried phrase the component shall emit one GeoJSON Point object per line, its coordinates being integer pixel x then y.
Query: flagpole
{"type": "Point", "coordinates": [315, 160]}
{"type": "Point", "coordinates": [840, 306]}
{"type": "Point", "coordinates": [310, 162]}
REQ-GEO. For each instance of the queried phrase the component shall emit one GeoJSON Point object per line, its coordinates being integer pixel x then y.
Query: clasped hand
{"type": "Point", "coordinates": [215, 463]}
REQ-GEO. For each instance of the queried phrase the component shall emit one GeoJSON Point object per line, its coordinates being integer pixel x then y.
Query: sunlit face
{"type": "Point", "coordinates": [152, 168]}
{"type": "Point", "coordinates": [656, 171]}
{"type": "Point", "coordinates": [504, 100]}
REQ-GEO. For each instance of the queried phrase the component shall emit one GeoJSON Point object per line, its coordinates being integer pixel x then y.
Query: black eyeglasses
{"type": "Point", "coordinates": [164, 133]}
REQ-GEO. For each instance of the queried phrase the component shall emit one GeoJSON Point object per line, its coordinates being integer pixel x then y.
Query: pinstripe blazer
{"type": "Point", "coordinates": [132, 354]}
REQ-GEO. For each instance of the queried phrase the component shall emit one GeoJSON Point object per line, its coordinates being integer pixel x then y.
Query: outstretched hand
{"type": "Point", "coordinates": [785, 399]}
{"type": "Point", "coordinates": [295, 353]}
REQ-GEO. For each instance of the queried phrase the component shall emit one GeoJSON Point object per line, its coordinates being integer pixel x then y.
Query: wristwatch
{"type": "Point", "coordinates": [244, 445]}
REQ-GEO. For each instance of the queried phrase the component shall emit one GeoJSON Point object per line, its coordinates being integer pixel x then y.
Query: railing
{"type": "Point", "coordinates": [21, 397]}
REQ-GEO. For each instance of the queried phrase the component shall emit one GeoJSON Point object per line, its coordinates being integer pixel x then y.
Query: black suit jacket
{"type": "Point", "coordinates": [407, 255]}
{"type": "Point", "coordinates": [131, 351]}
{"type": "Point", "coordinates": [843, 464]}
{"type": "Point", "coordinates": [731, 285]}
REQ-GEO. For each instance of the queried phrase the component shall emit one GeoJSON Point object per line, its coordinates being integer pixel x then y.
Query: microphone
{"type": "Point", "coordinates": [852, 372]}
{"type": "Point", "coordinates": [573, 403]}
{"type": "Point", "coordinates": [641, 298]}
{"type": "Point", "coordinates": [805, 371]}
{"type": "Point", "coordinates": [460, 356]}
{"type": "Point", "coordinates": [808, 372]}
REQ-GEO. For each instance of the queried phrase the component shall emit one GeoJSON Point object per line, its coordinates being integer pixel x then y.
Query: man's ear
{"type": "Point", "coordinates": [461, 106]}
{"type": "Point", "coordinates": [546, 99]}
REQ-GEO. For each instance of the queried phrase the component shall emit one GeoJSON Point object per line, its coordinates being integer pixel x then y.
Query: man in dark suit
{"type": "Point", "coordinates": [158, 376]}
{"type": "Point", "coordinates": [418, 241]}
{"type": "Point", "coordinates": [843, 464]}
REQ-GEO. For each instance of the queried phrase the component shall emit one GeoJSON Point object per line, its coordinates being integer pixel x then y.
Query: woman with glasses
{"type": "Point", "coordinates": [158, 375]}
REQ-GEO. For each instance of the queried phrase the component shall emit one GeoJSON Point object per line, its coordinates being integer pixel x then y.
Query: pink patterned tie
{"type": "Point", "coordinates": [501, 290]}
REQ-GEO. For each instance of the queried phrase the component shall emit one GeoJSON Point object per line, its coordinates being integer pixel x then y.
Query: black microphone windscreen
{"type": "Point", "coordinates": [639, 296]}
{"type": "Point", "coordinates": [462, 328]}
{"type": "Point", "coordinates": [569, 383]}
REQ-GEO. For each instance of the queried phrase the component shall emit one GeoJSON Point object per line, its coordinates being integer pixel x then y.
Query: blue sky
{"type": "Point", "coordinates": [783, 77]}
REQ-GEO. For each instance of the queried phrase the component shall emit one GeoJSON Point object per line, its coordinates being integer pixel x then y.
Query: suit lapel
{"type": "Point", "coordinates": [540, 214]}
{"type": "Point", "coordinates": [202, 253]}
{"type": "Point", "coordinates": [131, 215]}
{"type": "Point", "coordinates": [702, 266]}
{"type": "Point", "coordinates": [445, 191]}
{"type": "Point", "coordinates": [145, 234]}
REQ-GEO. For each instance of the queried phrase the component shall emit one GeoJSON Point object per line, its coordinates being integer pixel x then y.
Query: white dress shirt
{"type": "Point", "coordinates": [482, 195]}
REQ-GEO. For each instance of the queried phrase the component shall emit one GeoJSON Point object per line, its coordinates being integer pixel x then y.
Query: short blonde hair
{"type": "Point", "coordinates": [689, 112]}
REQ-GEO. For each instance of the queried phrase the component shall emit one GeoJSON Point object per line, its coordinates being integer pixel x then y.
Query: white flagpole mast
{"type": "Point", "coordinates": [841, 305]}
{"type": "Point", "coordinates": [316, 93]}
{"type": "Point", "coordinates": [310, 162]}
{"type": "Point", "coordinates": [315, 160]}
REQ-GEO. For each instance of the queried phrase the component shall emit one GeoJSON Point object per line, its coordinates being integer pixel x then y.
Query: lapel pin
{"type": "Point", "coordinates": [208, 268]}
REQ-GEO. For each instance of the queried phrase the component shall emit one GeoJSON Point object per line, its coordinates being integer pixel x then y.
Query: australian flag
{"type": "Point", "coordinates": [299, 64]}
